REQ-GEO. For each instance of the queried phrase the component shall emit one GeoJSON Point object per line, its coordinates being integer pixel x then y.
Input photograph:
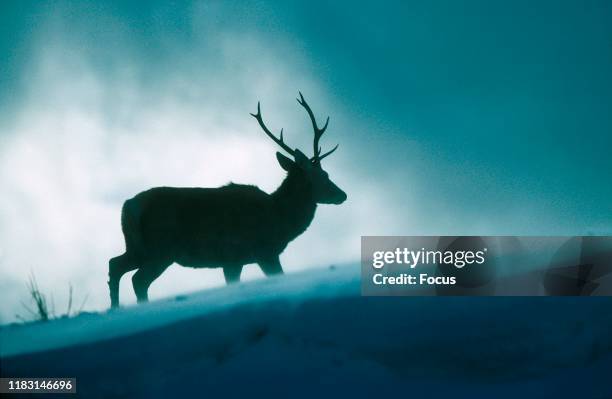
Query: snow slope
{"type": "Point", "coordinates": [312, 334]}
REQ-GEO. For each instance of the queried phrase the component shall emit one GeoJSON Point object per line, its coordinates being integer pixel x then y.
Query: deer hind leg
{"type": "Point", "coordinates": [117, 267]}
{"type": "Point", "coordinates": [232, 273]}
{"type": "Point", "coordinates": [142, 279]}
{"type": "Point", "coordinates": [271, 267]}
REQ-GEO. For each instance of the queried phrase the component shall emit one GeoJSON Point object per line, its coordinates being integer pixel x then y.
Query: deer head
{"type": "Point", "coordinates": [324, 191]}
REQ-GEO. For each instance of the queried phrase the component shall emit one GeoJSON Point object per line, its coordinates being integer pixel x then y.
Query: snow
{"type": "Point", "coordinates": [311, 334]}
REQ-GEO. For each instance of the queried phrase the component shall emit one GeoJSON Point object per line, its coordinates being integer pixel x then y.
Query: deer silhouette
{"type": "Point", "coordinates": [228, 226]}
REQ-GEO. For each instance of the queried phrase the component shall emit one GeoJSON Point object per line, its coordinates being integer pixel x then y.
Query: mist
{"type": "Point", "coordinates": [83, 141]}
{"type": "Point", "coordinates": [105, 101]}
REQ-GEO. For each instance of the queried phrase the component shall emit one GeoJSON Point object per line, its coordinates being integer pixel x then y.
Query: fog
{"type": "Point", "coordinates": [442, 129]}
{"type": "Point", "coordinates": [82, 142]}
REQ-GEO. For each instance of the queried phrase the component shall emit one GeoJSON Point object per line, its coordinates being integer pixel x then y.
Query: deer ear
{"type": "Point", "coordinates": [284, 162]}
{"type": "Point", "coordinates": [302, 160]}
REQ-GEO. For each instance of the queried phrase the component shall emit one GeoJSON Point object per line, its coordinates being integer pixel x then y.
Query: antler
{"type": "Point", "coordinates": [278, 141]}
{"type": "Point", "coordinates": [318, 132]}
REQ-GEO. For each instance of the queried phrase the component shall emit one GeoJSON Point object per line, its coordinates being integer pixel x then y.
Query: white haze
{"type": "Point", "coordinates": [98, 124]}
{"type": "Point", "coordinates": [82, 142]}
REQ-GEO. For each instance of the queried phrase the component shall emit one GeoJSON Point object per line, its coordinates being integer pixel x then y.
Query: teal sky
{"type": "Point", "coordinates": [517, 91]}
{"type": "Point", "coordinates": [453, 117]}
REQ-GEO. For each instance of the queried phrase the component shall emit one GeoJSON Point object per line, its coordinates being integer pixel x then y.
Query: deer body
{"type": "Point", "coordinates": [226, 227]}
{"type": "Point", "coordinates": [214, 227]}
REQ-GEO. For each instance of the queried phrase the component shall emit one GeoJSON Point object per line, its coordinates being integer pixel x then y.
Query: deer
{"type": "Point", "coordinates": [226, 227]}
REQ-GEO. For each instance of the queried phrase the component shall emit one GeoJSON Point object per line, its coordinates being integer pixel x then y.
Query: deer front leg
{"type": "Point", "coordinates": [271, 267]}
{"type": "Point", "coordinates": [232, 273]}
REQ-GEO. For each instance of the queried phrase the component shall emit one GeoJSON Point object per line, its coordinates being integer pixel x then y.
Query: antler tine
{"type": "Point", "coordinates": [318, 132]}
{"type": "Point", "coordinates": [278, 141]}
{"type": "Point", "coordinates": [328, 152]}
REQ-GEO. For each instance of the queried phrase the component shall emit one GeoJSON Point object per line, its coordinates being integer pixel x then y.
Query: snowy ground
{"type": "Point", "coordinates": [311, 334]}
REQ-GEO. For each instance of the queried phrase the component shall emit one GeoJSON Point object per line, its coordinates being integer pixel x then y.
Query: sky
{"type": "Point", "coordinates": [453, 118]}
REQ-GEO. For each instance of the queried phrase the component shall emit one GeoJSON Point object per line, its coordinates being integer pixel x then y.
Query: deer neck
{"type": "Point", "coordinates": [295, 206]}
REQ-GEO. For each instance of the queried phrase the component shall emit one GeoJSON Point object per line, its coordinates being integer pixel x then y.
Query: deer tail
{"type": "Point", "coordinates": [130, 224]}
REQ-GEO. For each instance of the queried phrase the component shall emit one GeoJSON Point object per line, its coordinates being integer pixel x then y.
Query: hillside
{"type": "Point", "coordinates": [311, 333]}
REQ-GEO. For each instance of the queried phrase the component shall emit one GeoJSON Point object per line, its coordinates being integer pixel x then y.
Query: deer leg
{"type": "Point", "coordinates": [232, 274]}
{"type": "Point", "coordinates": [271, 267]}
{"type": "Point", "coordinates": [117, 267]}
{"type": "Point", "coordinates": [142, 279]}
